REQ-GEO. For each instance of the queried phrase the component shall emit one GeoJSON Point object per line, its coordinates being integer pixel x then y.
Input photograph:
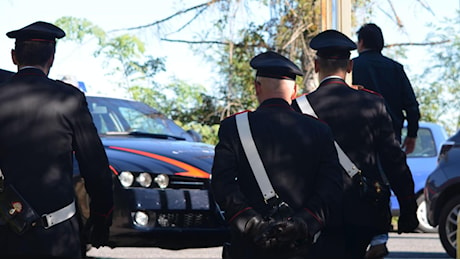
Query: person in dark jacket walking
{"type": "Point", "coordinates": [300, 160]}
{"type": "Point", "coordinates": [43, 124]}
{"type": "Point", "coordinates": [383, 75]}
{"type": "Point", "coordinates": [363, 130]}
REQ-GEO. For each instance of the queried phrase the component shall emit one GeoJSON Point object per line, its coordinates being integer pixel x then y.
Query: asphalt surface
{"type": "Point", "coordinates": [407, 246]}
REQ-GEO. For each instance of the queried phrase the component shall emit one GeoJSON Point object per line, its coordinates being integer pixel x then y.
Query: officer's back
{"type": "Point", "coordinates": [43, 123]}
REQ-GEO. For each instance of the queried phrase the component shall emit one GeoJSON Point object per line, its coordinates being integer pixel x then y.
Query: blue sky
{"type": "Point", "coordinates": [78, 61]}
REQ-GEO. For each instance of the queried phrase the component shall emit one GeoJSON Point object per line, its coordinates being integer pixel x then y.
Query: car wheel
{"type": "Point", "coordinates": [448, 226]}
{"type": "Point", "coordinates": [424, 226]}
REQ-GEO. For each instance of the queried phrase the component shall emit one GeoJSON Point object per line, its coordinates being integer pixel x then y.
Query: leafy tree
{"type": "Point", "coordinates": [123, 53]}
{"type": "Point", "coordinates": [180, 101]}
{"type": "Point", "coordinates": [440, 98]}
{"type": "Point", "coordinates": [230, 44]}
{"type": "Point", "coordinates": [287, 29]}
{"type": "Point", "coordinates": [124, 58]}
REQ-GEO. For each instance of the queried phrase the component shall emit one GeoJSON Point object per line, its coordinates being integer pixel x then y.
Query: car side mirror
{"type": "Point", "coordinates": [196, 137]}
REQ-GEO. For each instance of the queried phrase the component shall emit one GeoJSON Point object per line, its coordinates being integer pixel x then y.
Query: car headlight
{"type": "Point", "coordinates": [141, 218]}
{"type": "Point", "coordinates": [162, 180]}
{"type": "Point", "coordinates": [126, 179]}
{"type": "Point", "coordinates": [144, 179]}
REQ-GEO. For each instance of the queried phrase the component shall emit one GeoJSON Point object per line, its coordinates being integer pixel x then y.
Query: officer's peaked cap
{"type": "Point", "coordinates": [332, 44]}
{"type": "Point", "coordinates": [273, 65]}
{"type": "Point", "coordinates": [37, 31]}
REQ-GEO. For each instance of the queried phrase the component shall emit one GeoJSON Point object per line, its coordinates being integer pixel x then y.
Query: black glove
{"type": "Point", "coordinates": [97, 229]}
{"type": "Point", "coordinates": [250, 223]}
{"type": "Point", "coordinates": [284, 233]}
{"type": "Point", "coordinates": [407, 221]}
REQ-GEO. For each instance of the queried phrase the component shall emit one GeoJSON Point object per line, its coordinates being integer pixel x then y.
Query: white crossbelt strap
{"type": "Point", "coordinates": [346, 163]}
{"type": "Point", "coordinates": [242, 123]}
{"type": "Point", "coordinates": [59, 216]}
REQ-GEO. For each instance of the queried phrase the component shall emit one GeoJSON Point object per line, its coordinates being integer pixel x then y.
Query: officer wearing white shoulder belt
{"type": "Point", "coordinates": [43, 124]}
{"type": "Point", "coordinates": [281, 214]}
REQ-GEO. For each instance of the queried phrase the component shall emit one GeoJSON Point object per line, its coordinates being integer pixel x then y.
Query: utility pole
{"type": "Point", "coordinates": [336, 14]}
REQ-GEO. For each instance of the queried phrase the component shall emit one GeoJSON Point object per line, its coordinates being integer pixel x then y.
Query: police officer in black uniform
{"type": "Point", "coordinates": [364, 131]}
{"type": "Point", "coordinates": [300, 159]}
{"type": "Point", "coordinates": [43, 123]}
{"type": "Point", "coordinates": [5, 75]}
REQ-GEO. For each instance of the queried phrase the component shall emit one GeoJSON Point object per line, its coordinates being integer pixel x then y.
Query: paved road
{"type": "Point", "coordinates": [417, 245]}
{"type": "Point", "coordinates": [409, 246]}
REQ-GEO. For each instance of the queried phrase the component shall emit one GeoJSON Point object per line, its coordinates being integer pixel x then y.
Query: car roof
{"type": "Point", "coordinates": [108, 96]}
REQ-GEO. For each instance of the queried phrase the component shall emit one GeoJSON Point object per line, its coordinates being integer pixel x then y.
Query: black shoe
{"type": "Point", "coordinates": [377, 251]}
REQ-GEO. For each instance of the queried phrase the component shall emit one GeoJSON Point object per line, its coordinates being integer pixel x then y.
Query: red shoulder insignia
{"type": "Point", "coordinates": [304, 94]}
{"type": "Point", "coordinates": [371, 91]}
{"type": "Point", "coordinates": [238, 113]}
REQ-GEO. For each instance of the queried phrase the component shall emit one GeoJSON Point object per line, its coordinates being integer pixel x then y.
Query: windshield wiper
{"type": "Point", "coordinates": [146, 134]}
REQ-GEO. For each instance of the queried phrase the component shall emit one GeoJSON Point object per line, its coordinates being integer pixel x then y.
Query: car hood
{"type": "Point", "coordinates": [127, 153]}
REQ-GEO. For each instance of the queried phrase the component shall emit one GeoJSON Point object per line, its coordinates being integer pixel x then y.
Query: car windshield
{"type": "Point", "coordinates": [119, 117]}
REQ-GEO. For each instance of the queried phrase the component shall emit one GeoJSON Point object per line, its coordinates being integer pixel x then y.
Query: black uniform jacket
{"type": "Point", "coordinates": [362, 128]}
{"type": "Point", "coordinates": [5, 75]}
{"type": "Point", "coordinates": [42, 124]}
{"type": "Point", "coordinates": [378, 73]}
{"type": "Point", "coordinates": [298, 154]}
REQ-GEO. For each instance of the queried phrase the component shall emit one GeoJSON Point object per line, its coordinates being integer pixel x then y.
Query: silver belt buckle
{"type": "Point", "coordinates": [58, 216]}
{"type": "Point", "coordinates": [45, 222]}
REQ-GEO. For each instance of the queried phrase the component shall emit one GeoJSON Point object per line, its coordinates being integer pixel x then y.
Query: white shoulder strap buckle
{"type": "Point", "coordinates": [346, 163]}
{"type": "Point", "coordinates": [244, 130]}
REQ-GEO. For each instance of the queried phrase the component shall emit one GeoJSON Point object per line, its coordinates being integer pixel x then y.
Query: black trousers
{"type": "Point", "coordinates": [345, 242]}
{"type": "Point", "coordinates": [357, 239]}
{"type": "Point", "coordinates": [59, 241]}
{"type": "Point", "coordinates": [330, 244]}
{"type": "Point", "coordinates": [242, 247]}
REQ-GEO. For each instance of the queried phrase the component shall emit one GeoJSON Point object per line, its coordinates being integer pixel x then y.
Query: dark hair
{"type": "Point", "coordinates": [372, 36]}
{"type": "Point", "coordinates": [31, 53]}
{"type": "Point", "coordinates": [332, 65]}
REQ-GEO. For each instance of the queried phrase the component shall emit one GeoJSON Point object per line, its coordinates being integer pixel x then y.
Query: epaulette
{"type": "Point", "coordinates": [238, 113]}
{"type": "Point", "coordinates": [371, 91]}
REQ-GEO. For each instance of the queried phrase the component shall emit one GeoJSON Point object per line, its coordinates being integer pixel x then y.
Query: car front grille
{"type": "Point", "coordinates": [185, 220]}
{"type": "Point", "coordinates": [181, 182]}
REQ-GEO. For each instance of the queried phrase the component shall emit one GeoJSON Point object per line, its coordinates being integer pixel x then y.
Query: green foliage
{"type": "Point", "coordinates": [153, 97]}
{"type": "Point", "coordinates": [183, 103]}
{"type": "Point", "coordinates": [123, 54]}
{"type": "Point", "coordinates": [288, 30]}
{"type": "Point", "coordinates": [207, 132]}
{"type": "Point", "coordinates": [238, 89]}
{"type": "Point", "coordinates": [78, 29]}
{"type": "Point", "coordinates": [440, 97]}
